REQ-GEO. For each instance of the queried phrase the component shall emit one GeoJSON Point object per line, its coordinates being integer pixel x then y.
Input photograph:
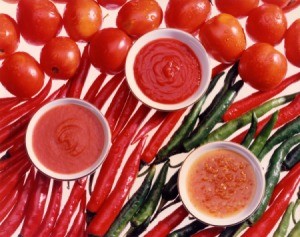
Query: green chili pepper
{"type": "Point", "coordinates": [251, 132]}
{"type": "Point", "coordinates": [295, 232]}
{"type": "Point", "coordinates": [282, 228]}
{"type": "Point", "coordinates": [292, 158]}
{"type": "Point", "coordinates": [188, 230]}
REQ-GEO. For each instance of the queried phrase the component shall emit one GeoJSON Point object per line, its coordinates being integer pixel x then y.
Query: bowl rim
{"type": "Point", "coordinates": [233, 219]}
{"type": "Point", "coordinates": [184, 37]}
{"type": "Point", "coordinates": [44, 109]}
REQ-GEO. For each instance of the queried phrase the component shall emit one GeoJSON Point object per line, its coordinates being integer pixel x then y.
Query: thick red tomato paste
{"type": "Point", "coordinates": [167, 71]}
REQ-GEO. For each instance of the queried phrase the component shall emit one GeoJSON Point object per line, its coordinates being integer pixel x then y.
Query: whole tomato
{"type": "Point", "coordinates": [82, 19]}
{"type": "Point", "coordinates": [236, 8]}
{"type": "Point", "coordinates": [9, 35]}
{"type": "Point", "coordinates": [138, 17]}
{"type": "Point", "coordinates": [108, 50]}
{"type": "Point", "coordinates": [21, 75]}
{"type": "Point", "coordinates": [223, 38]}
{"type": "Point", "coordinates": [111, 4]}
{"type": "Point", "coordinates": [262, 66]}
{"type": "Point", "coordinates": [39, 20]}
{"type": "Point", "coordinates": [60, 57]}
{"type": "Point", "coordinates": [279, 3]}
{"type": "Point", "coordinates": [187, 15]}
{"type": "Point", "coordinates": [266, 23]}
{"type": "Point", "coordinates": [292, 43]}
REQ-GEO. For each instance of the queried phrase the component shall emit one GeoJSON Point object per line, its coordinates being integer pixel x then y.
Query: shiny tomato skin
{"type": "Point", "coordinates": [21, 75]}
{"type": "Point", "coordinates": [262, 66]}
{"type": "Point", "coordinates": [111, 4]}
{"type": "Point", "coordinates": [236, 8]}
{"type": "Point", "coordinates": [108, 50]}
{"type": "Point", "coordinates": [292, 43]}
{"type": "Point", "coordinates": [138, 17]}
{"type": "Point", "coordinates": [60, 57]}
{"type": "Point", "coordinates": [187, 15]}
{"type": "Point", "coordinates": [82, 19]}
{"type": "Point", "coordinates": [266, 23]}
{"type": "Point", "coordinates": [223, 38]}
{"type": "Point", "coordinates": [39, 20]}
{"type": "Point", "coordinates": [9, 35]}
{"type": "Point", "coordinates": [279, 3]}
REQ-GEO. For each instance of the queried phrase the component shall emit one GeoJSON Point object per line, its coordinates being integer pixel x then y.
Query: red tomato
{"type": "Point", "coordinates": [39, 20]}
{"type": "Point", "coordinates": [138, 17]}
{"type": "Point", "coordinates": [11, 1]}
{"type": "Point", "coordinates": [108, 50]}
{"type": "Point", "coordinates": [187, 15]}
{"type": "Point", "coordinates": [9, 35]}
{"type": "Point", "coordinates": [292, 43]}
{"type": "Point", "coordinates": [223, 38]}
{"type": "Point", "coordinates": [266, 23]}
{"type": "Point", "coordinates": [21, 75]}
{"type": "Point", "coordinates": [262, 66]}
{"type": "Point", "coordinates": [236, 8]}
{"type": "Point", "coordinates": [60, 57]}
{"type": "Point", "coordinates": [279, 3]}
{"type": "Point", "coordinates": [82, 19]}
{"type": "Point", "coordinates": [111, 4]}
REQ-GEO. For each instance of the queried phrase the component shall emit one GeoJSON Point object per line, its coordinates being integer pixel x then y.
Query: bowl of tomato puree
{"type": "Point", "coordinates": [221, 183]}
{"type": "Point", "coordinates": [68, 139]}
{"type": "Point", "coordinates": [167, 69]}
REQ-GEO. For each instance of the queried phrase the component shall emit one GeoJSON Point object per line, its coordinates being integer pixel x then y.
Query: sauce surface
{"type": "Point", "coordinates": [221, 183]}
{"type": "Point", "coordinates": [68, 139]}
{"type": "Point", "coordinates": [167, 71]}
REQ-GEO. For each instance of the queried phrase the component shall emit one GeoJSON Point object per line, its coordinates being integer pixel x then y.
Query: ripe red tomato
{"type": "Point", "coordinates": [9, 35]}
{"type": "Point", "coordinates": [267, 23]}
{"type": "Point", "coordinates": [82, 19]}
{"type": "Point", "coordinates": [21, 75]}
{"type": "Point", "coordinates": [279, 3]}
{"type": "Point", "coordinates": [262, 66]}
{"type": "Point", "coordinates": [60, 58]}
{"type": "Point", "coordinates": [108, 50]}
{"type": "Point", "coordinates": [138, 17]}
{"type": "Point", "coordinates": [236, 8]}
{"type": "Point", "coordinates": [187, 15]}
{"type": "Point", "coordinates": [223, 38]}
{"type": "Point", "coordinates": [111, 4]}
{"type": "Point", "coordinates": [39, 20]}
{"type": "Point", "coordinates": [292, 43]}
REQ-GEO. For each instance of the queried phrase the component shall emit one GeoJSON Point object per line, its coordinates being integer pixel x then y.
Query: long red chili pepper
{"type": "Point", "coordinates": [16, 148]}
{"type": "Point", "coordinates": [160, 135]}
{"type": "Point", "coordinates": [291, 6]}
{"type": "Point", "coordinates": [15, 217]}
{"type": "Point", "coordinates": [209, 232]}
{"type": "Point", "coordinates": [53, 208]}
{"type": "Point", "coordinates": [13, 168]}
{"type": "Point", "coordinates": [12, 140]}
{"type": "Point", "coordinates": [112, 205]}
{"type": "Point", "coordinates": [286, 114]}
{"type": "Point", "coordinates": [7, 100]}
{"type": "Point", "coordinates": [4, 164]}
{"type": "Point", "coordinates": [164, 227]}
{"type": "Point", "coordinates": [219, 68]}
{"type": "Point", "coordinates": [35, 207]}
{"type": "Point", "coordinates": [5, 107]}
{"type": "Point", "coordinates": [113, 160]}
{"type": "Point", "coordinates": [244, 105]}
{"type": "Point", "coordinates": [94, 88]}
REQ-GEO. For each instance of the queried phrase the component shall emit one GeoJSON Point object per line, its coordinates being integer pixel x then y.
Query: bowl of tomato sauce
{"type": "Point", "coordinates": [167, 69]}
{"type": "Point", "coordinates": [221, 183]}
{"type": "Point", "coordinates": [68, 139]}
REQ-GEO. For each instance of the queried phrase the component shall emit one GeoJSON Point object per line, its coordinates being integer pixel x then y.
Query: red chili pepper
{"type": "Point", "coordinates": [286, 114]}
{"type": "Point", "coordinates": [113, 160]}
{"type": "Point", "coordinates": [209, 232]}
{"type": "Point", "coordinates": [5, 107]}
{"type": "Point", "coordinates": [62, 223]}
{"type": "Point", "coordinates": [164, 227]}
{"type": "Point", "coordinates": [117, 104]}
{"type": "Point", "coordinates": [7, 100]}
{"type": "Point", "coordinates": [219, 68]}
{"type": "Point", "coordinates": [94, 88]}
{"type": "Point", "coordinates": [244, 105]}
{"type": "Point", "coordinates": [157, 118]}
{"type": "Point", "coordinates": [291, 6]}
{"type": "Point", "coordinates": [77, 81]}
{"type": "Point", "coordinates": [4, 164]}
{"type": "Point", "coordinates": [53, 208]}
{"type": "Point", "coordinates": [14, 167]}
{"type": "Point", "coordinates": [35, 207]}
{"type": "Point", "coordinates": [268, 220]}
{"type": "Point", "coordinates": [15, 217]}
{"type": "Point", "coordinates": [12, 140]}
{"type": "Point", "coordinates": [16, 148]}
{"type": "Point", "coordinates": [112, 205]}
{"type": "Point", "coordinates": [160, 135]}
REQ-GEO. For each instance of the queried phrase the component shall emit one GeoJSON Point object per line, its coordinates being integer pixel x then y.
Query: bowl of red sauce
{"type": "Point", "coordinates": [68, 139]}
{"type": "Point", "coordinates": [167, 69]}
{"type": "Point", "coordinates": [221, 183]}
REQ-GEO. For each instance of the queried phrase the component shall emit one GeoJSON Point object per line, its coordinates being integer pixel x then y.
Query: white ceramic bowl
{"type": "Point", "coordinates": [46, 170]}
{"type": "Point", "coordinates": [185, 38]}
{"type": "Point", "coordinates": [232, 219]}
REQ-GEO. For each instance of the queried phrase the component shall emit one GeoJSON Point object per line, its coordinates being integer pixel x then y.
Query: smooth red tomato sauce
{"type": "Point", "coordinates": [68, 139]}
{"type": "Point", "coordinates": [167, 71]}
{"type": "Point", "coordinates": [221, 183]}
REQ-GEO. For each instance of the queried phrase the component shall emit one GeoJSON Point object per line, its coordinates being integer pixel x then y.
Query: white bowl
{"type": "Point", "coordinates": [232, 219]}
{"type": "Point", "coordinates": [185, 38]}
{"type": "Point", "coordinates": [63, 176]}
